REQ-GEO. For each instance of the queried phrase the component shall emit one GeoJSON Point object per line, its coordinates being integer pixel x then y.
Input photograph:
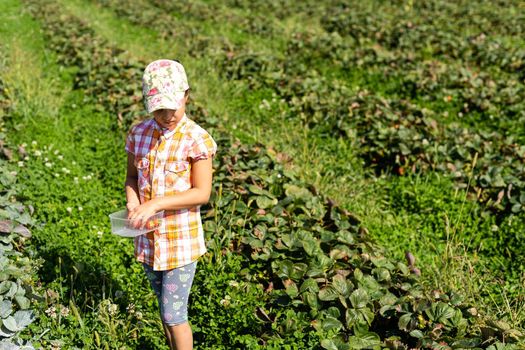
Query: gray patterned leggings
{"type": "Point", "coordinates": [172, 288]}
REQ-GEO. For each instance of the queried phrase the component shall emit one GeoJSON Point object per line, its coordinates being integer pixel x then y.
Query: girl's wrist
{"type": "Point", "coordinates": [157, 204]}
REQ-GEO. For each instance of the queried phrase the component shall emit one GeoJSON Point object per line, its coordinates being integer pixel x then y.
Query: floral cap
{"type": "Point", "coordinates": [163, 85]}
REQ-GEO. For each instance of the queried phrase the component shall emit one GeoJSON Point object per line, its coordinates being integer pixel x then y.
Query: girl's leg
{"type": "Point", "coordinates": [181, 336]}
{"type": "Point", "coordinates": [176, 286]}
{"type": "Point", "coordinates": [155, 279]}
{"type": "Point", "coordinates": [167, 333]}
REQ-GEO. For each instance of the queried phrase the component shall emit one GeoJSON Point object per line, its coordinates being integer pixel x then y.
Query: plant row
{"type": "Point", "coordinates": [323, 277]}
{"type": "Point", "coordinates": [17, 265]}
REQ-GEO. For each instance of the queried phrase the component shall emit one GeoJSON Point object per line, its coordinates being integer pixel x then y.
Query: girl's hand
{"type": "Point", "coordinates": [131, 205]}
{"type": "Point", "coordinates": [142, 212]}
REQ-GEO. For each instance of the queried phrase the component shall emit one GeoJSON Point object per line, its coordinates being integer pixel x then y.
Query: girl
{"type": "Point", "coordinates": [169, 168]}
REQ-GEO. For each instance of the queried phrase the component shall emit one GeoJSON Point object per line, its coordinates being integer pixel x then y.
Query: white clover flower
{"type": "Point", "coordinates": [233, 283]}
{"type": "Point", "coordinates": [75, 179]}
{"type": "Point", "coordinates": [48, 164]}
{"type": "Point", "coordinates": [80, 208]}
{"type": "Point", "coordinates": [60, 157]}
{"type": "Point", "coordinates": [112, 309]}
{"type": "Point", "coordinates": [64, 310]}
{"type": "Point", "coordinates": [33, 143]}
{"type": "Point", "coordinates": [131, 308]}
{"type": "Point", "coordinates": [26, 158]}
{"type": "Point", "coordinates": [51, 312]}
{"type": "Point", "coordinates": [56, 152]}
{"type": "Point", "coordinates": [69, 209]}
{"type": "Point", "coordinates": [20, 164]}
{"type": "Point", "coordinates": [38, 153]}
{"type": "Point", "coordinates": [100, 233]}
{"type": "Point", "coordinates": [226, 301]}
{"type": "Point", "coordinates": [66, 170]}
{"type": "Point", "coordinates": [74, 163]}
{"type": "Point", "coordinates": [24, 145]}
{"type": "Point", "coordinates": [56, 175]}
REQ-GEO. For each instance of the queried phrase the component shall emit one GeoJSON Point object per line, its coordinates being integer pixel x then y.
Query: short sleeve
{"type": "Point", "coordinates": [202, 147]}
{"type": "Point", "coordinates": [130, 142]}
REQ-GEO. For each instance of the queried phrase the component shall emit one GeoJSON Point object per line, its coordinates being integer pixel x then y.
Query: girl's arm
{"type": "Point", "coordinates": [132, 189]}
{"type": "Point", "coordinates": [201, 173]}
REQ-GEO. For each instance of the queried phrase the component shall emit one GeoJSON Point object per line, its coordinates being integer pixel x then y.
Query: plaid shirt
{"type": "Point", "coordinates": [162, 158]}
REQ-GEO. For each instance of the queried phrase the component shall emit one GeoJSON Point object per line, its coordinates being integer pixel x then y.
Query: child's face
{"type": "Point", "coordinates": [168, 118]}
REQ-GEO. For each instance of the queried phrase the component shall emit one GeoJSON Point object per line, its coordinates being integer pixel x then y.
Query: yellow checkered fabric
{"type": "Point", "coordinates": [163, 159]}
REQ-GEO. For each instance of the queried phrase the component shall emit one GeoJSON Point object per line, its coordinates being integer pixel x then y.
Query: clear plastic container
{"type": "Point", "coordinates": [122, 226]}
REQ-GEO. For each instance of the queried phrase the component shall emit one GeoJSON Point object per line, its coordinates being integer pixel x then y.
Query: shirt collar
{"type": "Point", "coordinates": [167, 133]}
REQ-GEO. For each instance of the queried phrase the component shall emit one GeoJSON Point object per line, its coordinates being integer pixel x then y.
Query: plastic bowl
{"type": "Point", "coordinates": [122, 226]}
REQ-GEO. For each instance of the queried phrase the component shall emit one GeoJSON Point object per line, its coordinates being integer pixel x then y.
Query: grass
{"type": "Point", "coordinates": [19, 39]}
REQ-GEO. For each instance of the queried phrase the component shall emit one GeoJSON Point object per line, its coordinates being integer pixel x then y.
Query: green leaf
{"type": "Point", "coordinates": [298, 271]}
{"type": "Point", "coordinates": [8, 288]}
{"type": "Point", "coordinates": [23, 318]}
{"type": "Point", "coordinates": [341, 285]}
{"type": "Point", "coordinates": [403, 269]}
{"type": "Point", "coordinates": [382, 274]}
{"type": "Point", "coordinates": [333, 311]}
{"type": "Point", "coordinates": [331, 323]}
{"type": "Point", "coordinates": [10, 324]}
{"type": "Point", "coordinates": [364, 341]}
{"type": "Point", "coordinates": [283, 268]}
{"type": "Point", "coordinates": [358, 275]}
{"type": "Point", "coordinates": [264, 202]}
{"type": "Point", "coordinates": [466, 343]}
{"type": "Point", "coordinates": [516, 208]}
{"type": "Point", "coordinates": [310, 247]}
{"type": "Point", "coordinates": [328, 344]}
{"type": "Point", "coordinates": [370, 284]}
{"type": "Point", "coordinates": [6, 307]}
{"type": "Point", "coordinates": [368, 315]}
{"type": "Point", "coordinates": [314, 271]}
{"type": "Point", "coordinates": [324, 261]}
{"type": "Point", "coordinates": [406, 322]}
{"type": "Point", "coordinates": [297, 192]}
{"type": "Point", "coordinates": [416, 333]}
{"type": "Point", "coordinates": [388, 299]}
{"type": "Point", "coordinates": [345, 237]}
{"type": "Point", "coordinates": [359, 298]}
{"type": "Point", "coordinates": [309, 284]}
{"type": "Point", "coordinates": [257, 190]}
{"type": "Point", "coordinates": [291, 288]}
{"type": "Point", "coordinates": [361, 318]}
{"type": "Point", "coordinates": [440, 312]}
{"type": "Point", "coordinates": [310, 298]}
{"type": "Point", "coordinates": [22, 302]}
{"type": "Point", "coordinates": [328, 293]}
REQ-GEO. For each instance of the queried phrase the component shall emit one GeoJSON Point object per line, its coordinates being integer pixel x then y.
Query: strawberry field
{"type": "Point", "coordinates": [369, 185]}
